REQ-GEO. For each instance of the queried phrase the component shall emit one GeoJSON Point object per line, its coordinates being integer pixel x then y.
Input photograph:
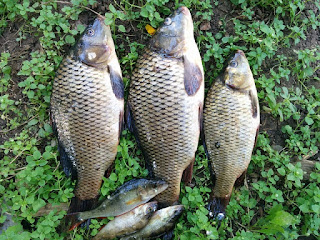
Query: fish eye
{"type": "Point", "coordinates": [90, 32]}
{"type": "Point", "coordinates": [233, 64]}
{"type": "Point", "coordinates": [167, 21]}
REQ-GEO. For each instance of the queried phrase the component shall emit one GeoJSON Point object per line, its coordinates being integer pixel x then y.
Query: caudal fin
{"type": "Point", "coordinates": [77, 205]}
{"type": "Point", "coordinates": [217, 207]}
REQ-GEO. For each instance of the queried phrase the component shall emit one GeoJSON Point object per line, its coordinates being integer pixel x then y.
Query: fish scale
{"type": "Point", "coordinates": [167, 118]}
{"type": "Point", "coordinates": [86, 113]}
{"type": "Point", "coordinates": [229, 140]}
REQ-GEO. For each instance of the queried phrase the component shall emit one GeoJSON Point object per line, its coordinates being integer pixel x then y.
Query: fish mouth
{"type": "Point", "coordinates": [184, 10]}
{"type": "Point", "coordinates": [167, 35]}
{"type": "Point", "coordinates": [232, 86]}
{"type": "Point", "coordinates": [162, 186]}
{"type": "Point", "coordinates": [240, 52]}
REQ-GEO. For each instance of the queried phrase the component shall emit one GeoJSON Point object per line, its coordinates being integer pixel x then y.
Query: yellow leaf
{"type": "Point", "coordinates": [150, 29]}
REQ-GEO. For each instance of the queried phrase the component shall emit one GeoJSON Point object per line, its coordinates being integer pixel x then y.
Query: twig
{"type": "Point", "coordinates": [18, 155]}
{"type": "Point", "coordinates": [57, 167]}
{"type": "Point", "coordinates": [6, 131]}
{"type": "Point", "coordinates": [13, 175]}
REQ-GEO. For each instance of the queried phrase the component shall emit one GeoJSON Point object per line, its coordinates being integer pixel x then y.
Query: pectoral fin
{"type": "Point", "coordinates": [193, 76]}
{"type": "Point", "coordinates": [116, 82]}
{"type": "Point", "coordinates": [254, 104]}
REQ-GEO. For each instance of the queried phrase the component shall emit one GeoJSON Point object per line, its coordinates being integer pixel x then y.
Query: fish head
{"type": "Point", "coordinates": [95, 46]}
{"type": "Point", "coordinates": [238, 74]}
{"type": "Point", "coordinates": [153, 188]}
{"type": "Point", "coordinates": [171, 214]}
{"type": "Point", "coordinates": [172, 36]}
{"type": "Point", "coordinates": [149, 208]}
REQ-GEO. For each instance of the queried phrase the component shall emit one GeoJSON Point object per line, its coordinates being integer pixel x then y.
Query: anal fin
{"type": "Point", "coordinates": [240, 179]}
{"type": "Point", "coordinates": [187, 173]}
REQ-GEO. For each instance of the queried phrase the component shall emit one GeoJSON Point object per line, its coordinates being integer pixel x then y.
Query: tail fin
{"type": "Point", "coordinates": [217, 207]}
{"type": "Point", "coordinates": [77, 205]}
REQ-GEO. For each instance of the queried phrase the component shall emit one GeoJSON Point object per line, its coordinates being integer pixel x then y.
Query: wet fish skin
{"type": "Point", "coordinates": [161, 222]}
{"type": "Point", "coordinates": [128, 223]}
{"type": "Point", "coordinates": [87, 110]}
{"type": "Point", "coordinates": [130, 195]}
{"type": "Point", "coordinates": [165, 103]}
{"type": "Point", "coordinates": [231, 123]}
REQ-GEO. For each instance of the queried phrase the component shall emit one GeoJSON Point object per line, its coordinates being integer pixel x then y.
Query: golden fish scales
{"type": "Point", "coordinates": [230, 132]}
{"type": "Point", "coordinates": [166, 117]}
{"type": "Point", "coordinates": [86, 113]}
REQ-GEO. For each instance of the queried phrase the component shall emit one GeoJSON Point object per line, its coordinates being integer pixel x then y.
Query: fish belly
{"type": "Point", "coordinates": [166, 118]}
{"type": "Point", "coordinates": [230, 132]}
{"type": "Point", "coordinates": [86, 114]}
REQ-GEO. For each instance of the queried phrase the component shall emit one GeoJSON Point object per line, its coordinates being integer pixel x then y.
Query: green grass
{"type": "Point", "coordinates": [277, 202]}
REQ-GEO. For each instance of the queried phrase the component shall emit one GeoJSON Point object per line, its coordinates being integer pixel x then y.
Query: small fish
{"type": "Point", "coordinates": [165, 102]}
{"type": "Point", "coordinates": [231, 123]}
{"type": "Point", "coordinates": [130, 195]}
{"type": "Point", "coordinates": [87, 112]}
{"type": "Point", "coordinates": [128, 223]}
{"type": "Point", "coordinates": [161, 221]}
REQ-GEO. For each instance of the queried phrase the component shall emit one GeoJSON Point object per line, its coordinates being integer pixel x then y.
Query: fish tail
{"type": "Point", "coordinates": [77, 205]}
{"type": "Point", "coordinates": [217, 207]}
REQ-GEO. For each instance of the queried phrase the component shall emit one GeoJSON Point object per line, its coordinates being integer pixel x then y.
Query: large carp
{"type": "Point", "coordinates": [231, 122]}
{"type": "Point", "coordinates": [165, 102]}
{"type": "Point", "coordinates": [87, 112]}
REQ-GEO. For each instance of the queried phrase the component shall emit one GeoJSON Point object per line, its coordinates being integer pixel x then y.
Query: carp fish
{"type": "Point", "coordinates": [130, 195]}
{"type": "Point", "coordinates": [165, 103]}
{"type": "Point", "coordinates": [87, 112]}
{"type": "Point", "coordinates": [128, 223]}
{"type": "Point", "coordinates": [162, 221]}
{"type": "Point", "coordinates": [231, 122]}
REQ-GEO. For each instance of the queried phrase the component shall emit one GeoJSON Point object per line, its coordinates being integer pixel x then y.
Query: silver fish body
{"type": "Point", "coordinates": [161, 221]}
{"type": "Point", "coordinates": [128, 223]}
{"type": "Point", "coordinates": [130, 195]}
